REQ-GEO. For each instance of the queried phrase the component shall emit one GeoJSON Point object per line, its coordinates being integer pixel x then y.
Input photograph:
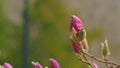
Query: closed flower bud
{"type": "Point", "coordinates": [54, 63]}
{"type": "Point", "coordinates": [105, 49]}
{"type": "Point", "coordinates": [78, 35]}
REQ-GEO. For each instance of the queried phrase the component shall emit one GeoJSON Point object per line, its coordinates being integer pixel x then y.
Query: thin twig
{"type": "Point", "coordinates": [90, 63]}
{"type": "Point", "coordinates": [101, 60]}
{"type": "Point", "coordinates": [83, 58]}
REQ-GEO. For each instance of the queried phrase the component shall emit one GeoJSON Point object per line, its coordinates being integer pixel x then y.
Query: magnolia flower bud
{"type": "Point", "coordinates": [78, 35]}
{"type": "Point", "coordinates": [54, 63]}
{"type": "Point", "coordinates": [105, 49]}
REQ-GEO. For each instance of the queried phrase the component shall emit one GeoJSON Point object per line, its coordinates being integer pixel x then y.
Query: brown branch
{"type": "Point", "coordinates": [101, 60]}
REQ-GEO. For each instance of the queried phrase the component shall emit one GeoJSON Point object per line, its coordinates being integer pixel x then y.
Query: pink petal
{"type": "Point", "coordinates": [77, 48]}
{"type": "Point", "coordinates": [76, 23]}
{"type": "Point", "coordinates": [54, 63]}
{"type": "Point", "coordinates": [7, 65]}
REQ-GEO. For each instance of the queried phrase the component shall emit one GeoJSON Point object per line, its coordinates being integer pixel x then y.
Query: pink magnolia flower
{"type": "Point", "coordinates": [36, 65]}
{"type": "Point", "coordinates": [54, 63]}
{"type": "Point", "coordinates": [76, 23]}
{"type": "Point", "coordinates": [7, 65]}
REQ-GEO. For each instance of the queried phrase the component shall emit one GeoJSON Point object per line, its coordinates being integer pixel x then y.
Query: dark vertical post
{"type": "Point", "coordinates": [26, 34]}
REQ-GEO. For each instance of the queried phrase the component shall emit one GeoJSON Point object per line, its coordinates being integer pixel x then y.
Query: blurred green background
{"type": "Point", "coordinates": [49, 30]}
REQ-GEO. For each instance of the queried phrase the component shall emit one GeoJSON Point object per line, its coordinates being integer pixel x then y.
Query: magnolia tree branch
{"type": "Point", "coordinates": [100, 60]}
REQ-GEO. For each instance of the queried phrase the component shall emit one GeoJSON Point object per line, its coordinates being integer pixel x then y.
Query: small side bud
{"type": "Point", "coordinates": [105, 49]}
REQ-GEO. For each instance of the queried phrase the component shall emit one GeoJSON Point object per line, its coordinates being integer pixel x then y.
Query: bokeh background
{"type": "Point", "coordinates": [49, 30]}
